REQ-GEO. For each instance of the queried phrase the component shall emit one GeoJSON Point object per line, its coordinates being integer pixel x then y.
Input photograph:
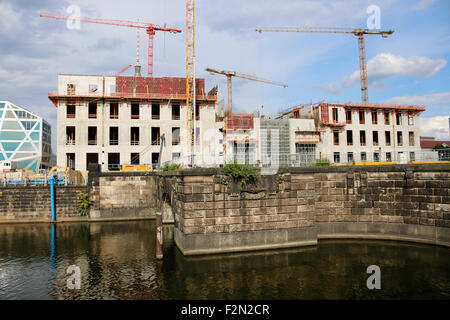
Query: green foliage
{"type": "Point", "coordinates": [440, 146]}
{"type": "Point", "coordinates": [171, 167]}
{"type": "Point", "coordinates": [83, 204]}
{"type": "Point", "coordinates": [322, 162]}
{"type": "Point", "coordinates": [241, 172]}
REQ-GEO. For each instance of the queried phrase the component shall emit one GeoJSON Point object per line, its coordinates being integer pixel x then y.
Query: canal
{"type": "Point", "coordinates": [117, 261]}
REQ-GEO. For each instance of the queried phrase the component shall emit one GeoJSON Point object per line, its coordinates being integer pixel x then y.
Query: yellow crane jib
{"type": "Point", "coordinates": [360, 32]}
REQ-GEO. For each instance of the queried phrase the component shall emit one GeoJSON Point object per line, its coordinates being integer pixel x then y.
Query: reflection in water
{"type": "Point", "coordinates": [117, 261]}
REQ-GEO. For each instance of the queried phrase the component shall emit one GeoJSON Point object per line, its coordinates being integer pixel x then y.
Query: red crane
{"type": "Point", "coordinates": [123, 70]}
{"type": "Point", "coordinates": [151, 28]}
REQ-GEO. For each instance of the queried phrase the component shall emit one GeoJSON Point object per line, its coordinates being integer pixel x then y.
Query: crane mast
{"type": "Point", "coordinates": [359, 32]}
{"type": "Point", "coordinates": [190, 77]}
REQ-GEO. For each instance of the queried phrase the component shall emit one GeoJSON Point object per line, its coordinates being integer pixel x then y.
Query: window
{"type": "Point", "coordinates": [386, 118]}
{"type": "Point", "coordinates": [155, 111]}
{"type": "Point", "coordinates": [113, 136]}
{"type": "Point", "coordinates": [70, 111]}
{"type": "Point", "coordinates": [376, 156]}
{"type": "Point", "coordinates": [363, 156]}
{"type": "Point", "coordinates": [92, 110]}
{"type": "Point", "coordinates": [362, 137]}
{"type": "Point", "coordinates": [112, 88]}
{"type": "Point", "coordinates": [175, 112]}
{"type": "Point", "coordinates": [349, 137]}
{"type": "Point", "coordinates": [337, 157]}
{"type": "Point", "coordinates": [410, 120]}
{"type": "Point", "coordinates": [388, 157]}
{"type": "Point", "coordinates": [197, 135]}
{"type": "Point", "coordinates": [70, 89]}
{"type": "Point", "coordinates": [350, 157]}
{"type": "Point", "coordinates": [70, 135]}
{"type": "Point", "coordinates": [91, 158]}
{"type": "Point", "coordinates": [155, 136]}
{"type": "Point", "coordinates": [70, 160]}
{"type": "Point", "coordinates": [411, 138]}
{"type": "Point", "coordinates": [361, 117]}
{"type": "Point", "coordinates": [336, 138]}
{"type": "Point", "coordinates": [175, 136]}
{"type": "Point", "coordinates": [399, 138]}
{"type": "Point", "coordinates": [135, 111]}
{"type": "Point", "coordinates": [335, 115]}
{"type": "Point", "coordinates": [92, 135]}
{"type": "Point", "coordinates": [412, 156]}
{"type": "Point", "coordinates": [197, 111]}
{"type": "Point", "coordinates": [134, 159]}
{"type": "Point", "coordinates": [375, 138]}
{"type": "Point", "coordinates": [387, 136]}
{"type": "Point", "coordinates": [348, 115]}
{"type": "Point", "coordinates": [134, 137]}
{"type": "Point", "coordinates": [398, 117]}
{"type": "Point", "coordinates": [374, 117]}
{"type": "Point", "coordinates": [155, 157]}
{"type": "Point", "coordinates": [175, 155]}
{"type": "Point", "coordinates": [114, 111]}
{"type": "Point", "coordinates": [92, 88]}
{"type": "Point", "coordinates": [114, 161]}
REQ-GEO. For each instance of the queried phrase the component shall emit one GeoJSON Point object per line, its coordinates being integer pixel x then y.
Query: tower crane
{"type": "Point", "coordinates": [230, 74]}
{"type": "Point", "coordinates": [190, 76]}
{"type": "Point", "coordinates": [151, 28]}
{"type": "Point", "coordinates": [359, 32]}
{"type": "Point", "coordinates": [123, 70]}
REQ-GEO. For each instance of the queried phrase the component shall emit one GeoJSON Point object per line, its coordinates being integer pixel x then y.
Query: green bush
{"type": "Point", "coordinates": [83, 204]}
{"type": "Point", "coordinates": [171, 167]}
{"type": "Point", "coordinates": [322, 162]}
{"type": "Point", "coordinates": [241, 172]}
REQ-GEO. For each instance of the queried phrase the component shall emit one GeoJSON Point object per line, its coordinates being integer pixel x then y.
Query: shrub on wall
{"type": "Point", "coordinates": [241, 172]}
{"type": "Point", "coordinates": [83, 204]}
{"type": "Point", "coordinates": [322, 162]}
{"type": "Point", "coordinates": [171, 167]}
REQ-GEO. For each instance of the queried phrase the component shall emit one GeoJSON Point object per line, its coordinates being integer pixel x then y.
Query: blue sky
{"type": "Point", "coordinates": [410, 66]}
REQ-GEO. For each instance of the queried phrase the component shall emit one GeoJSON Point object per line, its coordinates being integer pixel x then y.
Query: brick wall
{"type": "Point", "coordinates": [32, 203]}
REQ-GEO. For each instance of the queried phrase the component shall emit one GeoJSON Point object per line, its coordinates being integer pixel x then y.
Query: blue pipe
{"type": "Point", "coordinates": [53, 248]}
{"type": "Point", "coordinates": [52, 196]}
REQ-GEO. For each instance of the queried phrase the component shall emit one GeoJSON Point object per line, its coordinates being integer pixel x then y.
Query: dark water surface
{"type": "Point", "coordinates": [117, 261]}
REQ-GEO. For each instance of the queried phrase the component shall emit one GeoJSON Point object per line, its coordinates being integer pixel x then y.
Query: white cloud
{"type": "Point", "coordinates": [435, 127]}
{"type": "Point", "coordinates": [386, 65]}
{"type": "Point", "coordinates": [422, 4]}
{"type": "Point", "coordinates": [10, 19]}
{"type": "Point", "coordinates": [433, 98]}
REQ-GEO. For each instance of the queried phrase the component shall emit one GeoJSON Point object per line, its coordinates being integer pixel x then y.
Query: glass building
{"type": "Point", "coordinates": [25, 138]}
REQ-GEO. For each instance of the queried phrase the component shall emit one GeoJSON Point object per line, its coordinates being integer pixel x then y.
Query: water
{"type": "Point", "coordinates": [117, 261]}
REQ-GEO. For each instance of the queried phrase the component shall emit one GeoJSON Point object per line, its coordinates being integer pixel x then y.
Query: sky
{"type": "Point", "coordinates": [408, 67]}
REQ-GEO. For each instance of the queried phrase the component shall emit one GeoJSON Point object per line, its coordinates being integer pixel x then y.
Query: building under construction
{"type": "Point", "coordinates": [116, 120]}
{"type": "Point", "coordinates": [334, 132]}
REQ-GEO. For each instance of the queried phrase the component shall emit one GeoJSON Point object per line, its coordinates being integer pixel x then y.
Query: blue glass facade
{"type": "Point", "coordinates": [21, 138]}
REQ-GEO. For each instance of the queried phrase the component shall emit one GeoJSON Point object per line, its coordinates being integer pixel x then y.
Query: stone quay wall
{"type": "Point", "coordinates": [122, 195]}
{"type": "Point", "coordinates": [297, 206]}
{"type": "Point", "coordinates": [33, 203]}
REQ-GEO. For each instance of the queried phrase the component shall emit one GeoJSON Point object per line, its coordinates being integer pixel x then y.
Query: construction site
{"type": "Point", "coordinates": [143, 123]}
